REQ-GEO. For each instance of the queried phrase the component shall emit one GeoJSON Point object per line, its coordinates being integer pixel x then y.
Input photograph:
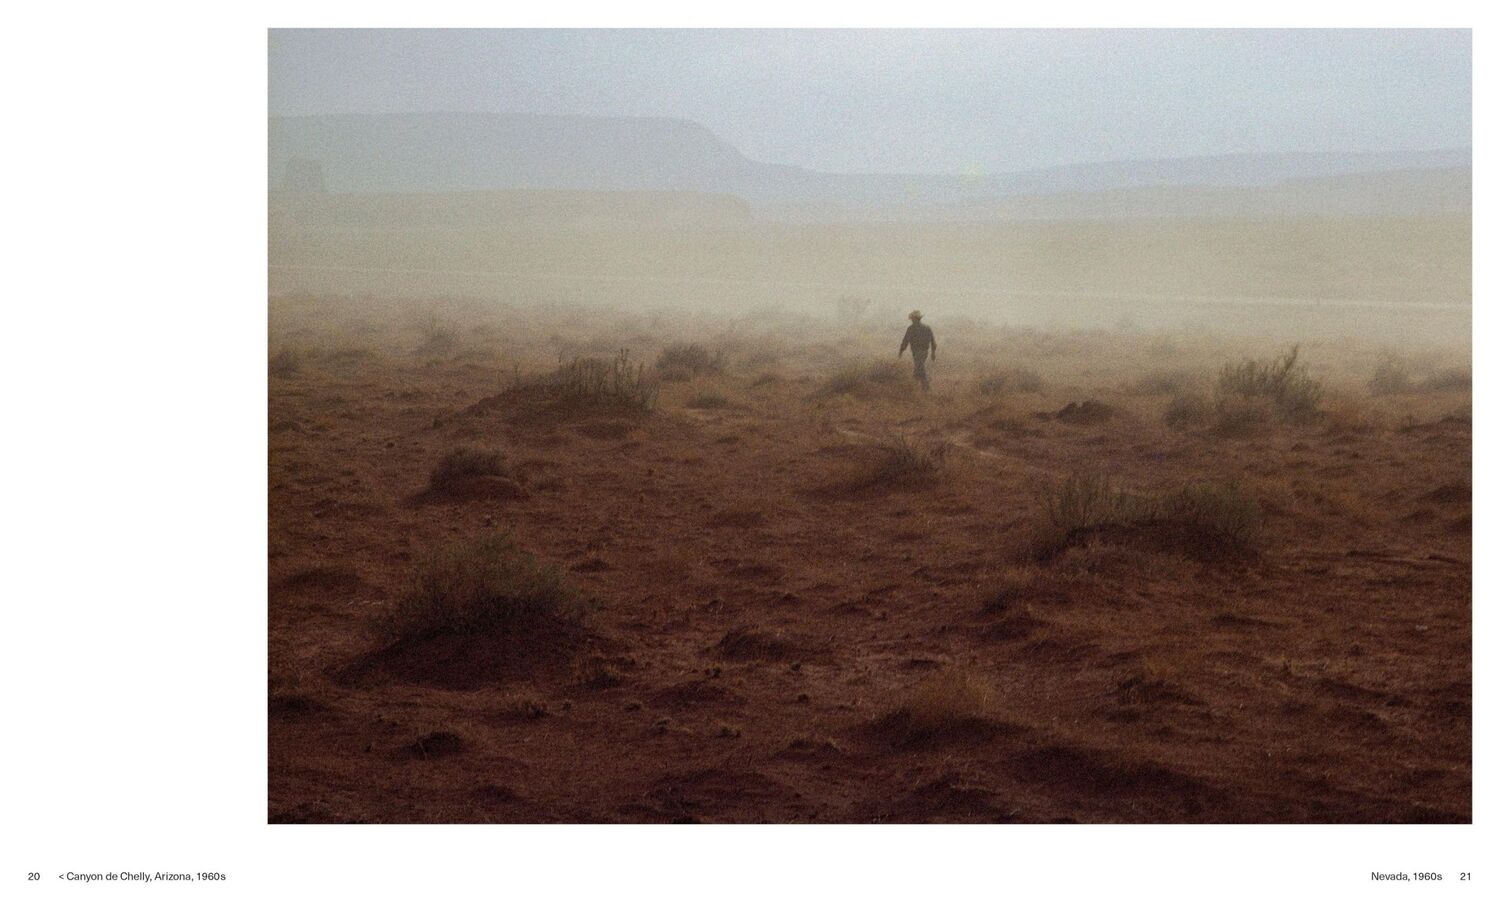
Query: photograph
{"type": "Point", "coordinates": [869, 426]}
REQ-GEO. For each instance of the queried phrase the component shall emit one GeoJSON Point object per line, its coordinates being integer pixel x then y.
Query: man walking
{"type": "Point", "coordinates": [919, 338]}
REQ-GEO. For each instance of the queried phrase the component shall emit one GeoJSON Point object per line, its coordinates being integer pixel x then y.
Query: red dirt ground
{"type": "Point", "coordinates": [760, 619]}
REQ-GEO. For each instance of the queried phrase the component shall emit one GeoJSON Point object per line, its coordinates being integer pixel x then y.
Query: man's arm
{"type": "Point", "coordinates": [905, 340]}
{"type": "Point", "coordinates": [933, 337]}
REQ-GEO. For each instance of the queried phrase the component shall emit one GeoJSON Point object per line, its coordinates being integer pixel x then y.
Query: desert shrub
{"type": "Point", "coordinates": [679, 362]}
{"type": "Point", "coordinates": [907, 462]}
{"type": "Point", "coordinates": [1225, 509]}
{"type": "Point", "coordinates": [1086, 500]}
{"type": "Point", "coordinates": [286, 362]}
{"type": "Point", "coordinates": [949, 704]}
{"type": "Point", "coordinates": [1187, 411]}
{"type": "Point", "coordinates": [1392, 376]}
{"type": "Point", "coordinates": [614, 382]}
{"type": "Point", "coordinates": [464, 462]}
{"type": "Point", "coordinates": [1283, 382]}
{"type": "Point", "coordinates": [1017, 380]}
{"type": "Point", "coordinates": [857, 379]}
{"type": "Point", "coordinates": [486, 585]}
{"type": "Point", "coordinates": [1221, 513]}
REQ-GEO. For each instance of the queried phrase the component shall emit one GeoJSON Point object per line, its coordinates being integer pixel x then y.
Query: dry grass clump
{"type": "Point", "coordinates": [907, 462]}
{"type": "Point", "coordinates": [1226, 510]}
{"type": "Point", "coordinates": [483, 586]}
{"type": "Point", "coordinates": [1010, 381]}
{"type": "Point", "coordinates": [1088, 500]}
{"type": "Point", "coordinates": [864, 380]}
{"type": "Point", "coordinates": [680, 362]}
{"type": "Point", "coordinates": [614, 382]}
{"type": "Point", "coordinates": [286, 362]}
{"type": "Point", "coordinates": [1282, 382]}
{"type": "Point", "coordinates": [1197, 516]}
{"type": "Point", "coordinates": [463, 462]}
{"type": "Point", "coordinates": [951, 704]}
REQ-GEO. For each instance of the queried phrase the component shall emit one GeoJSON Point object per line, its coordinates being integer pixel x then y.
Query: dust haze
{"type": "Point", "coordinates": [599, 491]}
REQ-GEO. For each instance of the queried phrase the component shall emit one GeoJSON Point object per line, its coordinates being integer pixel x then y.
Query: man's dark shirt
{"type": "Point", "coordinates": [919, 338]}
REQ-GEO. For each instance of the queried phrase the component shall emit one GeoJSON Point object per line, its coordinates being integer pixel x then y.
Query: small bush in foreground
{"type": "Point", "coordinates": [1283, 382]}
{"type": "Point", "coordinates": [1219, 515]}
{"type": "Point", "coordinates": [487, 585]}
{"type": "Point", "coordinates": [464, 462]}
{"type": "Point", "coordinates": [905, 462]}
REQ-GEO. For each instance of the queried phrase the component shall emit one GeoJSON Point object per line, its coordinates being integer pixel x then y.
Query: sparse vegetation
{"type": "Point", "coordinates": [905, 461]}
{"type": "Point", "coordinates": [862, 380]}
{"type": "Point", "coordinates": [1282, 382]}
{"type": "Point", "coordinates": [615, 382]}
{"type": "Point", "coordinates": [1222, 515]}
{"type": "Point", "coordinates": [488, 585]}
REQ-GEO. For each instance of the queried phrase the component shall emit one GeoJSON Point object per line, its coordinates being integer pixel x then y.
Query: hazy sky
{"type": "Point", "coordinates": [921, 101]}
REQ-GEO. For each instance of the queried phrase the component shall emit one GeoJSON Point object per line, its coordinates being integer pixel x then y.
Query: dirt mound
{"type": "Point", "coordinates": [693, 693]}
{"type": "Point", "coordinates": [473, 488]}
{"type": "Point", "coordinates": [705, 794]}
{"type": "Point", "coordinates": [324, 580]}
{"type": "Point", "coordinates": [738, 520]}
{"type": "Point", "coordinates": [1167, 537]}
{"type": "Point", "coordinates": [951, 798]}
{"type": "Point", "coordinates": [1086, 773]}
{"type": "Point", "coordinates": [1459, 492]}
{"type": "Point", "coordinates": [466, 662]}
{"type": "Point", "coordinates": [437, 744]}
